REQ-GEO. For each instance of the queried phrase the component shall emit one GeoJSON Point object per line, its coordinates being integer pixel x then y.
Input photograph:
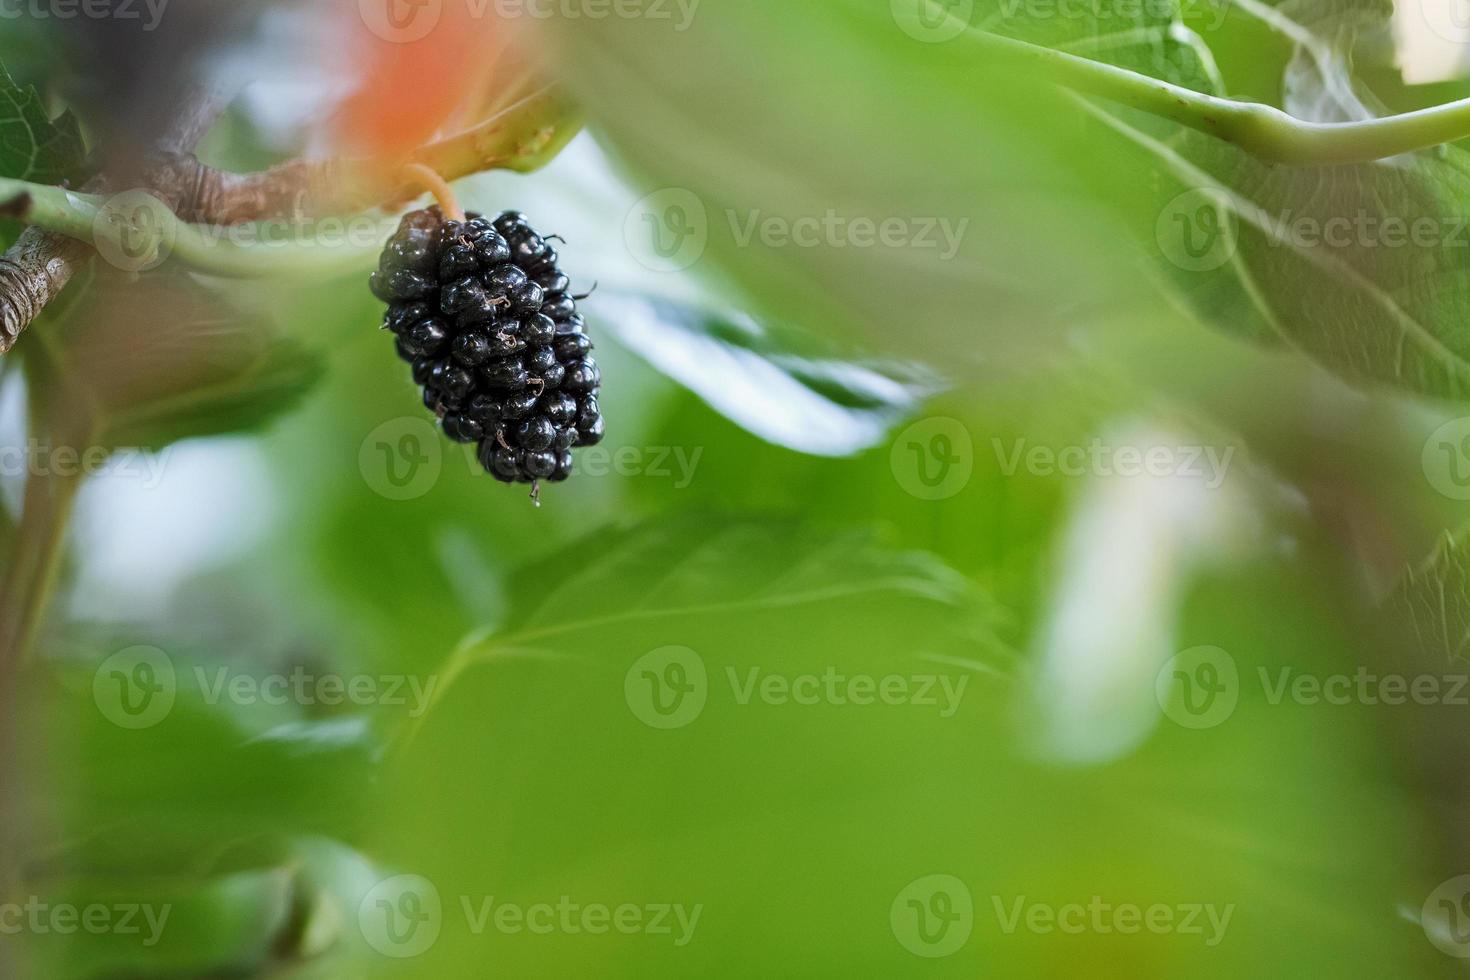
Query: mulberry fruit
{"type": "Point", "coordinates": [488, 322]}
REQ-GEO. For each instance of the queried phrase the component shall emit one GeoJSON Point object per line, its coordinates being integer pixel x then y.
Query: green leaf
{"type": "Point", "coordinates": [683, 571]}
{"type": "Point", "coordinates": [1050, 182]}
{"type": "Point", "coordinates": [272, 907]}
{"type": "Point", "coordinates": [145, 364]}
{"type": "Point", "coordinates": [1324, 260]}
{"type": "Point", "coordinates": [1434, 601]}
{"type": "Point", "coordinates": [994, 238]}
{"type": "Point", "coordinates": [815, 404]}
{"type": "Point", "coordinates": [800, 820]}
{"type": "Point", "coordinates": [33, 145]}
{"type": "Point", "coordinates": [181, 927]}
{"type": "Point", "coordinates": [113, 799]}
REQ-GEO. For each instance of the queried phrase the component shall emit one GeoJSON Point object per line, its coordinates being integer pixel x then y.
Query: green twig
{"type": "Point", "coordinates": [1259, 129]}
{"type": "Point", "coordinates": [238, 250]}
{"type": "Point", "coordinates": [522, 138]}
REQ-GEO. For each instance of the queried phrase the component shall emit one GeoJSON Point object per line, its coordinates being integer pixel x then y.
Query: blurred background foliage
{"type": "Point", "coordinates": [765, 514]}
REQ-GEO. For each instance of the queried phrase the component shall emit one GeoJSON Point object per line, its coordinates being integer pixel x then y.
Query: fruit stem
{"type": "Point", "coordinates": [429, 179]}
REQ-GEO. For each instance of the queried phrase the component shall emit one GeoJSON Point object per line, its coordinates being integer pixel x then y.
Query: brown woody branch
{"type": "Point", "coordinates": [35, 269]}
{"type": "Point", "coordinates": [520, 137]}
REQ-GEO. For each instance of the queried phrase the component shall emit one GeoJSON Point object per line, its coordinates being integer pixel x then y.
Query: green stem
{"type": "Point", "coordinates": [522, 138]}
{"type": "Point", "coordinates": [34, 564]}
{"type": "Point", "coordinates": [1261, 130]}
{"type": "Point", "coordinates": [256, 249]}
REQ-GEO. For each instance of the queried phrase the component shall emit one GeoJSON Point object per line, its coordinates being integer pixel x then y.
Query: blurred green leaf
{"type": "Point", "coordinates": [1049, 184]}
{"type": "Point", "coordinates": [165, 358]}
{"type": "Point", "coordinates": [166, 928]}
{"type": "Point", "coordinates": [33, 145]}
{"type": "Point", "coordinates": [796, 823]}
{"type": "Point", "coordinates": [697, 567]}
{"type": "Point", "coordinates": [997, 232]}
{"type": "Point", "coordinates": [208, 774]}
{"type": "Point", "coordinates": [819, 405]}
{"type": "Point", "coordinates": [1435, 601]}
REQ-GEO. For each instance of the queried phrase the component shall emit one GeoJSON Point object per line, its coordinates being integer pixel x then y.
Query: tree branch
{"type": "Point", "coordinates": [41, 262]}
{"type": "Point", "coordinates": [35, 269]}
{"type": "Point", "coordinates": [209, 204]}
{"type": "Point", "coordinates": [522, 137]}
